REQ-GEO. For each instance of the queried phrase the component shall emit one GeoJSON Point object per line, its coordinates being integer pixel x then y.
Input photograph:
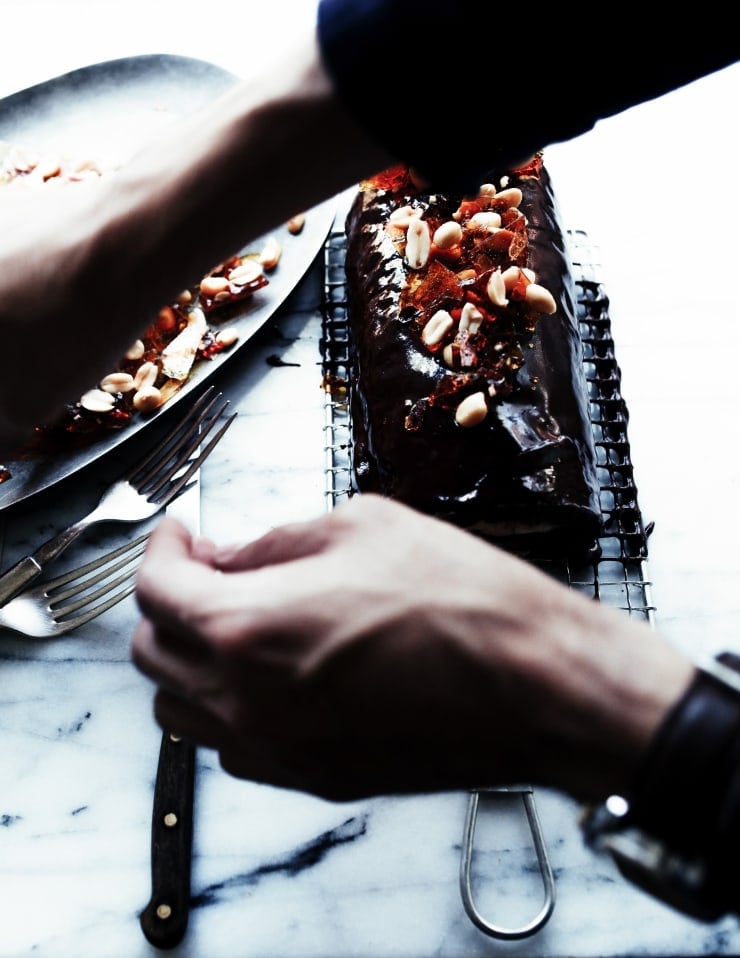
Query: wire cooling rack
{"type": "Point", "coordinates": [616, 573]}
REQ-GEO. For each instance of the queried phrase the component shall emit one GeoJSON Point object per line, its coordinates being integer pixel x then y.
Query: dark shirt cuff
{"type": "Point", "coordinates": [679, 838]}
{"type": "Point", "coordinates": [456, 91]}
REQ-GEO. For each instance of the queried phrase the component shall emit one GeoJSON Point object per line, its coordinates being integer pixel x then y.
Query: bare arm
{"type": "Point", "coordinates": [336, 658]}
{"type": "Point", "coordinates": [90, 265]}
{"type": "Point", "coordinates": [86, 273]}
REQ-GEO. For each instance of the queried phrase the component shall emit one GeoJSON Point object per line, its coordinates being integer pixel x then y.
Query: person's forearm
{"type": "Point", "coordinates": [589, 685]}
{"type": "Point", "coordinates": [91, 265]}
{"type": "Point", "coordinates": [610, 682]}
{"type": "Point", "coordinates": [268, 149]}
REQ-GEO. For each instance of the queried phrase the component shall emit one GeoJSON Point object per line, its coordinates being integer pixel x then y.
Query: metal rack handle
{"type": "Point", "coordinates": [466, 861]}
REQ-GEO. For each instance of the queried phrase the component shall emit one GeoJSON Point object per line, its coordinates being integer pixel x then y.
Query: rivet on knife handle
{"type": "Point", "coordinates": [164, 921]}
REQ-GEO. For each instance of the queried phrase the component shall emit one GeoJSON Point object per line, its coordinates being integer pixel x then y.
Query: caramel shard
{"type": "Point", "coordinates": [179, 356]}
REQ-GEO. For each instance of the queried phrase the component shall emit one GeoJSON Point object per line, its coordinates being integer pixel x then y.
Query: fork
{"type": "Point", "coordinates": [68, 601]}
{"type": "Point", "coordinates": [139, 494]}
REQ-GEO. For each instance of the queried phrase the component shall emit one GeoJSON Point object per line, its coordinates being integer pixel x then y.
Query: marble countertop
{"type": "Point", "coordinates": [281, 875]}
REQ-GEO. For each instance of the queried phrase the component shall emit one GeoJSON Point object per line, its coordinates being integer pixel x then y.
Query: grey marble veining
{"type": "Point", "coordinates": [281, 875]}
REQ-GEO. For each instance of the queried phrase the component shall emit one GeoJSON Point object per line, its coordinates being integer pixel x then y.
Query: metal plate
{"type": "Point", "coordinates": [105, 112]}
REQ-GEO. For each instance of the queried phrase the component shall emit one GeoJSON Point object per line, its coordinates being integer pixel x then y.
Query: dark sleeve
{"type": "Point", "coordinates": [456, 92]}
{"type": "Point", "coordinates": [677, 834]}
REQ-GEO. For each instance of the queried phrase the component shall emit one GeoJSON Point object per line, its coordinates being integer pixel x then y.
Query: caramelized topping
{"type": "Point", "coordinates": [472, 299]}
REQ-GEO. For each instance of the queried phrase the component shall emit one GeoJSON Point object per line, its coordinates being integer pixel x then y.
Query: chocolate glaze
{"type": "Point", "coordinates": [526, 476]}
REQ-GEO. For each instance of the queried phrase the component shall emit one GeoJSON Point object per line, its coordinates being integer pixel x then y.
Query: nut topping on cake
{"type": "Point", "coordinates": [467, 287]}
{"type": "Point", "coordinates": [466, 387]}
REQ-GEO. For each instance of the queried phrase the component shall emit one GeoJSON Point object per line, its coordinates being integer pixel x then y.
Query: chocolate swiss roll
{"type": "Point", "coordinates": [467, 386]}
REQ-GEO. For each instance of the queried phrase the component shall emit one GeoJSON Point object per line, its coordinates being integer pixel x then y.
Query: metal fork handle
{"type": "Point", "coordinates": [164, 921]}
{"type": "Point", "coordinates": [28, 568]}
{"type": "Point", "coordinates": [17, 578]}
{"type": "Point", "coordinates": [56, 545]}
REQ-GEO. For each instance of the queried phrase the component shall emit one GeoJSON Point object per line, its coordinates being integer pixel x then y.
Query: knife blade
{"type": "Point", "coordinates": [164, 920]}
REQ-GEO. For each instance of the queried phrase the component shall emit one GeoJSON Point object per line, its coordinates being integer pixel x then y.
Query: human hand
{"type": "Point", "coordinates": [376, 650]}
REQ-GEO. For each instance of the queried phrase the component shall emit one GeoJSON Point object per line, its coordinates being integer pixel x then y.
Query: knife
{"type": "Point", "coordinates": [164, 921]}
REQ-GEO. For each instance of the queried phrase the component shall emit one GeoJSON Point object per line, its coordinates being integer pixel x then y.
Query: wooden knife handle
{"type": "Point", "coordinates": [165, 919]}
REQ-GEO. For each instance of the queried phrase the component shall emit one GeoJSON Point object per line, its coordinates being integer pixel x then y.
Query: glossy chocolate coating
{"type": "Point", "coordinates": [526, 476]}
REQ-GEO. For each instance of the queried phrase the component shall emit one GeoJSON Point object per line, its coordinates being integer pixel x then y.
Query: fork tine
{"type": "Point", "coordinates": [175, 486]}
{"type": "Point", "coordinates": [190, 440]}
{"type": "Point", "coordinates": [150, 466]}
{"type": "Point", "coordinates": [101, 563]}
{"type": "Point", "coordinates": [92, 612]}
{"type": "Point", "coordinates": [116, 589]}
{"type": "Point", "coordinates": [155, 487]}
